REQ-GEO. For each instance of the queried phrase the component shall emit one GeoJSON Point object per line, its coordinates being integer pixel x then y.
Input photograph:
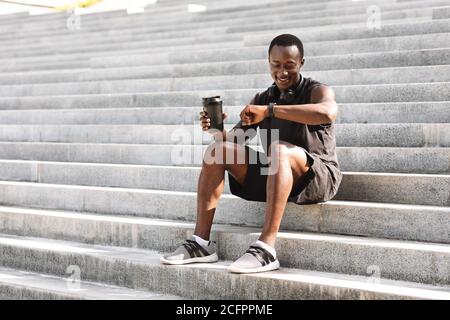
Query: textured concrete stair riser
{"type": "Point", "coordinates": [56, 66]}
{"type": "Point", "coordinates": [414, 92]}
{"type": "Point", "coordinates": [365, 159]}
{"type": "Point", "coordinates": [347, 135]}
{"type": "Point", "coordinates": [141, 269]}
{"type": "Point", "coordinates": [426, 266]}
{"type": "Point", "coordinates": [23, 285]}
{"type": "Point", "coordinates": [427, 223]}
{"type": "Point", "coordinates": [12, 292]}
{"type": "Point", "coordinates": [441, 13]}
{"type": "Point", "coordinates": [376, 187]}
{"type": "Point", "coordinates": [428, 74]}
{"type": "Point", "coordinates": [419, 112]}
{"type": "Point", "coordinates": [417, 58]}
{"type": "Point", "coordinates": [433, 112]}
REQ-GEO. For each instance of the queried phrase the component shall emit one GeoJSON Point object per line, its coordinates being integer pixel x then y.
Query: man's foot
{"type": "Point", "coordinates": [255, 259]}
{"type": "Point", "coordinates": [192, 252]}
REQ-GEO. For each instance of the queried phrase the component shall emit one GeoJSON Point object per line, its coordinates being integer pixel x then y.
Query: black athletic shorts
{"type": "Point", "coordinates": [320, 183]}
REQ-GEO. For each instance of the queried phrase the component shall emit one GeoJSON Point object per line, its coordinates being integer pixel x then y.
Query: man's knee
{"type": "Point", "coordinates": [282, 153]}
{"type": "Point", "coordinates": [279, 150]}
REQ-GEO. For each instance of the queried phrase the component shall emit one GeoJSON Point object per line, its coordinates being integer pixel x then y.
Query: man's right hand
{"type": "Point", "coordinates": [205, 120]}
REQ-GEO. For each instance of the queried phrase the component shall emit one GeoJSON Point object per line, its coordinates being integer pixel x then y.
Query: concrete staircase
{"type": "Point", "coordinates": [100, 150]}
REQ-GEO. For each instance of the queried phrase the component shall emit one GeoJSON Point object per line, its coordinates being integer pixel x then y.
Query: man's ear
{"type": "Point", "coordinates": [302, 61]}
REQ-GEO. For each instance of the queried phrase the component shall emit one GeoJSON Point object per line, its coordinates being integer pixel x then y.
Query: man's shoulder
{"type": "Point", "coordinates": [261, 97]}
{"type": "Point", "coordinates": [312, 83]}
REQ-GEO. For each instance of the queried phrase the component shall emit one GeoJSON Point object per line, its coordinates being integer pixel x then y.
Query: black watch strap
{"type": "Point", "coordinates": [271, 107]}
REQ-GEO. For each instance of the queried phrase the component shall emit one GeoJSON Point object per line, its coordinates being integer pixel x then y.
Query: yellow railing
{"type": "Point", "coordinates": [78, 4]}
{"type": "Point", "coordinates": [67, 7]}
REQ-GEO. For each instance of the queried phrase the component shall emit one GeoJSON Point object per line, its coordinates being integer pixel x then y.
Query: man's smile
{"type": "Point", "coordinates": [283, 80]}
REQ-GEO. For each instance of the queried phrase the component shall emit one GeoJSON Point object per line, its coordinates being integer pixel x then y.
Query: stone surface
{"type": "Point", "coordinates": [141, 268]}
{"type": "Point", "coordinates": [97, 148]}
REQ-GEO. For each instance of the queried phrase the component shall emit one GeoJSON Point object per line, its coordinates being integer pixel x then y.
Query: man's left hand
{"type": "Point", "coordinates": [252, 114]}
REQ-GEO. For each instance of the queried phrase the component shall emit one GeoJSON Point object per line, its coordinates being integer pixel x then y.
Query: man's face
{"type": "Point", "coordinates": [285, 64]}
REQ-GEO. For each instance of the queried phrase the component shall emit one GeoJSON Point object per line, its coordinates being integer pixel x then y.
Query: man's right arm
{"type": "Point", "coordinates": [240, 133]}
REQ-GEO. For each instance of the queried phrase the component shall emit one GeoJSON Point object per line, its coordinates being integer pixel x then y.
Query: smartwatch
{"type": "Point", "coordinates": [271, 109]}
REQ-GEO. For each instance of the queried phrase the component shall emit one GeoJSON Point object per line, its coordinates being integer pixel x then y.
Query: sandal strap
{"type": "Point", "coordinates": [262, 255]}
{"type": "Point", "coordinates": [194, 249]}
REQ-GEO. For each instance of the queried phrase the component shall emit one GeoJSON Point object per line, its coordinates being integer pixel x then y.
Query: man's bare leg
{"type": "Point", "coordinates": [291, 167]}
{"type": "Point", "coordinates": [212, 180]}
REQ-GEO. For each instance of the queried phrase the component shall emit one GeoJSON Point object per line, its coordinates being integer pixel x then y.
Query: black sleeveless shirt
{"type": "Point", "coordinates": [318, 141]}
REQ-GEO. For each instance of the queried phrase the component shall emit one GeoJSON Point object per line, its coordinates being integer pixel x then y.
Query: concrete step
{"type": "Point", "coordinates": [25, 17]}
{"type": "Point", "coordinates": [347, 135]}
{"type": "Point", "coordinates": [214, 8]}
{"type": "Point", "coordinates": [418, 58]}
{"type": "Point", "coordinates": [141, 268]}
{"type": "Point", "coordinates": [441, 12]}
{"type": "Point", "coordinates": [204, 53]}
{"type": "Point", "coordinates": [426, 74]}
{"type": "Point", "coordinates": [424, 13]}
{"type": "Point", "coordinates": [156, 45]}
{"type": "Point", "coordinates": [419, 189]}
{"type": "Point", "coordinates": [346, 31]}
{"type": "Point", "coordinates": [416, 112]}
{"type": "Point", "coordinates": [308, 9]}
{"type": "Point", "coordinates": [351, 31]}
{"type": "Point", "coordinates": [381, 220]}
{"type": "Point", "coordinates": [412, 92]}
{"type": "Point", "coordinates": [93, 38]}
{"type": "Point", "coordinates": [368, 45]}
{"type": "Point", "coordinates": [25, 285]}
{"type": "Point", "coordinates": [385, 220]}
{"type": "Point", "coordinates": [160, 45]}
{"type": "Point", "coordinates": [331, 32]}
{"type": "Point", "coordinates": [364, 159]}
{"type": "Point", "coordinates": [390, 27]}
{"type": "Point", "coordinates": [182, 20]}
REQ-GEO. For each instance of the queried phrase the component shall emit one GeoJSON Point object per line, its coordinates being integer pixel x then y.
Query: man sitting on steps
{"type": "Point", "coordinates": [302, 164]}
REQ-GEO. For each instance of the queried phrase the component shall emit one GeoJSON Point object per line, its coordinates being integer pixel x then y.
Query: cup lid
{"type": "Point", "coordinates": [212, 99]}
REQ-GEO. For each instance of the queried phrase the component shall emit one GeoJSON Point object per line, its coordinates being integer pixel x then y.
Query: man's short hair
{"type": "Point", "coordinates": [287, 40]}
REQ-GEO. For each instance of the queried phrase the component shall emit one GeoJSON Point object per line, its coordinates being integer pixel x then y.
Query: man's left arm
{"type": "Point", "coordinates": [322, 109]}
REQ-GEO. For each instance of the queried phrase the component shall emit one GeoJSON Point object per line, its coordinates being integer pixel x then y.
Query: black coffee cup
{"type": "Point", "coordinates": [213, 108]}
